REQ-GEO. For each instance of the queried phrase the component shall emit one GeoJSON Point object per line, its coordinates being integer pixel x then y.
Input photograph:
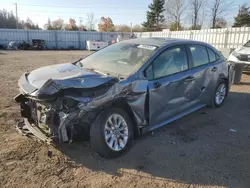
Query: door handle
{"type": "Point", "coordinates": [214, 69]}
{"type": "Point", "coordinates": [189, 78]}
{"type": "Point", "coordinates": [157, 84]}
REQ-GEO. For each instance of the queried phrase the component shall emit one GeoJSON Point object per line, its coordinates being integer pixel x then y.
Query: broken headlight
{"type": "Point", "coordinates": [72, 101]}
{"type": "Point", "coordinates": [69, 103]}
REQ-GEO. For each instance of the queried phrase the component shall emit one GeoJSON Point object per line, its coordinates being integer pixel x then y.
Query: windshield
{"type": "Point", "coordinates": [247, 44]}
{"type": "Point", "coordinates": [120, 58]}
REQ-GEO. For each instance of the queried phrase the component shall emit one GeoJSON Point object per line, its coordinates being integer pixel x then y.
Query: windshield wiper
{"type": "Point", "coordinates": [95, 70]}
{"type": "Point", "coordinates": [101, 72]}
{"type": "Point", "coordinates": [90, 69]}
{"type": "Point", "coordinates": [78, 61]}
{"type": "Point", "coordinates": [119, 76]}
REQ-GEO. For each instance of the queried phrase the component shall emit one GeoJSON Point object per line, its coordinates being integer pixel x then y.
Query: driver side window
{"type": "Point", "coordinates": [171, 61]}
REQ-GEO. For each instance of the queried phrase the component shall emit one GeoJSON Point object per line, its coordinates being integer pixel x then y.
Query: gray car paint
{"type": "Point", "coordinates": [172, 98]}
{"type": "Point", "coordinates": [175, 98]}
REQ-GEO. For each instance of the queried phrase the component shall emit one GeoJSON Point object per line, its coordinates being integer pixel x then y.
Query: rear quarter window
{"type": "Point", "coordinates": [212, 55]}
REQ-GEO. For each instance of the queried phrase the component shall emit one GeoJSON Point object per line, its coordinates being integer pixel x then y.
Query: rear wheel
{"type": "Point", "coordinates": [111, 133]}
{"type": "Point", "coordinates": [220, 94]}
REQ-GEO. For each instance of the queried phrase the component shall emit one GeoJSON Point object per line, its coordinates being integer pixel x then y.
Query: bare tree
{"type": "Point", "coordinates": [91, 21]}
{"type": "Point", "coordinates": [203, 14]}
{"type": "Point", "coordinates": [57, 24]}
{"type": "Point", "coordinates": [196, 7]}
{"type": "Point", "coordinates": [174, 11]}
{"type": "Point", "coordinates": [122, 28]}
{"type": "Point", "coordinates": [218, 9]}
{"type": "Point", "coordinates": [137, 28]}
{"type": "Point", "coordinates": [220, 23]}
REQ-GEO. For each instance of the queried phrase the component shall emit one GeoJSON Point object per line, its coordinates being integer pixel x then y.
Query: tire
{"type": "Point", "coordinates": [216, 103]}
{"type": "Point", "coordinates": [100, 128]}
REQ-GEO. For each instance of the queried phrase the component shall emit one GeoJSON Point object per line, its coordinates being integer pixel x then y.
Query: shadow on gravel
{"type": "Point", "coordinates": [208, 147]}
{"type": "Point", "coordinates": [245, 83]}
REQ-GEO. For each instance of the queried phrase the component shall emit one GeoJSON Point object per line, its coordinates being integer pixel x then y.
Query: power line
{"type": "Point", "coordinates": [16, 16]}
{"type": "Point", "coordinates": [62, 12]}
{"type": "Point", "coordinates": [79, 7]}
{"type": "Point", "coordinates": [75, 16]}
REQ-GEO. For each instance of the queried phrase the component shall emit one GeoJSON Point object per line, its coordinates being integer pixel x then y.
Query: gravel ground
{"type": "Point", "coordinates": [198, 150]}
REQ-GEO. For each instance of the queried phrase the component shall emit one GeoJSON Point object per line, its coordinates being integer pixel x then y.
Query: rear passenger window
{"type": "Point", "coordinates": [199, 54]}
{"type": "Point", "coordinates": [212, 55]}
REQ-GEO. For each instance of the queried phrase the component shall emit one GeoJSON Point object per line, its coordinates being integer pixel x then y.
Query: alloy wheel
{"type": "Point", "coordinates": [220, 94]}
{"type": "Point", "coordinates": [116, 132]}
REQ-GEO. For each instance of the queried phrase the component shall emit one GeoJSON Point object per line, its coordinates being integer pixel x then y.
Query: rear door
{"type": "Point", "coordinates": [170, 83]}
{"type": "Point", "coordinates": [204, 65]}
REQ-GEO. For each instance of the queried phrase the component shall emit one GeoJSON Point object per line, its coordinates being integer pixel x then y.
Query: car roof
{"type": "Point", "coordinates": [159, 41]}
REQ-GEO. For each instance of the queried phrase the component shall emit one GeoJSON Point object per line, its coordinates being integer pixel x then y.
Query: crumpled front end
{"type": "Point", "coordinates": [64, 114]}
{"type": "Point", "coordinates": [58, 120]}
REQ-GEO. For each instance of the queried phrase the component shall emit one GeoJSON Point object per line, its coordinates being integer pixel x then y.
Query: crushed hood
{"type": "Point", "coordinates": [51, 79]}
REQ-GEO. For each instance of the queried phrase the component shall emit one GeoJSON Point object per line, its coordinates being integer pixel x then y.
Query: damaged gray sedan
{"type": "Point", "coordinates": [122, 91]}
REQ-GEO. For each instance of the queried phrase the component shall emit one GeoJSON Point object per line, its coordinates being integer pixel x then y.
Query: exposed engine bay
{"type": "Point", "coordinates": [59, 120]}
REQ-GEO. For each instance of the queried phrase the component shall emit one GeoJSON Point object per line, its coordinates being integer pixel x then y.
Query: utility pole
{"type": "Point", "coordinates": [80, 23]}
{"type": "Point", "coordinates": [16, 16]}
{"type": "Point", "coordinates": [131, 29]}
{"type": "Point", "coordinates": [80, 20]}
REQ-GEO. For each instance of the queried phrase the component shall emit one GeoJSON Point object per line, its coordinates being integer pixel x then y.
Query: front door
{"type": "Point", "coordinates": [170, 85]}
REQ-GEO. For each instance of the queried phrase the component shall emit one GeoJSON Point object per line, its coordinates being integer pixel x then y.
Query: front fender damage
{"type": "Point", "coordinates": [133, 93]}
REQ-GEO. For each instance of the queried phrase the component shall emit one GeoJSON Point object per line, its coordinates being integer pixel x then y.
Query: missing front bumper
{"type": "Point", "coordinates": [50, 125]}
{"type": "Point", "coordinates": [32, 131]}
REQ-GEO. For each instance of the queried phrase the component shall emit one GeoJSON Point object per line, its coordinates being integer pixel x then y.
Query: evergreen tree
{"type": "Point", "coordinates": [48, 25]}
{"type": "Point", "coordinates": [243, 17]}
{"type": "Point", "coordinates": [8, 21]}
{"type": "Point", "coordinates": [155, 16]}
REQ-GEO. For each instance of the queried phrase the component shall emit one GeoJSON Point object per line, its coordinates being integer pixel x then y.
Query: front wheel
{"type": "Point", "coordinates": [111, 133]}
{"type": "Point", "coordinates": [220, 94]}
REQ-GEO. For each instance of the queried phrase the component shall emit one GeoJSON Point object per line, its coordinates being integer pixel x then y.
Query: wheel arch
{"type": "Point", "coordinates": [224, 78]}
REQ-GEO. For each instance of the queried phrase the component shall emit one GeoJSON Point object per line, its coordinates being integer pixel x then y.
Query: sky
{"type": "Point", "coordinates": [121, 12]}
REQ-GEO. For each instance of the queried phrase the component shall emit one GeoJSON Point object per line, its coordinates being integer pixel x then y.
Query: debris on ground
{"type": "Point", "coordinates": [182, 154]}
{"type": "Point", "coordinates": [171, 142]}
{"type": "Point", "coordinates": [233, 130]}
{"type": "Point", "coordinates": [49, 154]}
